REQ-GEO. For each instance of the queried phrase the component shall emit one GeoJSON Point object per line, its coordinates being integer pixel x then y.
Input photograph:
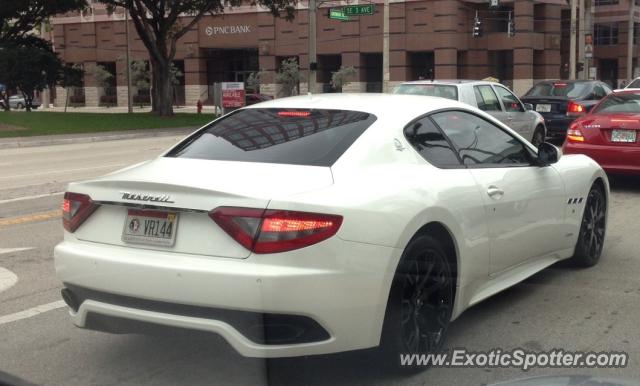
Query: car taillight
{"type": "Point", "coordinates": [574, 134]}
{"type": "Point", "coordinates": [76, 208]}
{"type": "Point", "coordinates": [272, 231]}
{"type": "Point", "coordinates": [574, 108]}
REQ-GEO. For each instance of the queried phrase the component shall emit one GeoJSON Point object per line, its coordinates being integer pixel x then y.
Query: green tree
{"type": "Point", "coordinates": [288, 77]}
{"type": "Point", "coordinates": [341, 77]}
{"type": "Point", "coordinates": [253, 81]}
{"type": "Point", "coordinates": [140, 75]}
{"type": "Point", "coordinates": [160, 25]}
{"type": "Point", "coordinates": [29, 69]}
{"type": "Point", "coordinates": [102, 76]}
{"type": "Point", "coordinates": [18, 18]}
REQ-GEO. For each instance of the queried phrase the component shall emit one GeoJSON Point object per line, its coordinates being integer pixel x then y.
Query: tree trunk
{"type": "Point", "coordinates": [162, 89]}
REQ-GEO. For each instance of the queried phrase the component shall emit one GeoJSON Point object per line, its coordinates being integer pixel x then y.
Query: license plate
{"type": "Point", "coordinates": [623, 136]}
{"type": "Point", "coordinates": [150, 227]}
{"type": "Point", "coordinates": [543, 108]}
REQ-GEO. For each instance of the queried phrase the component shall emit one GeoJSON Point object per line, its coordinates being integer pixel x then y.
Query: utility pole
{"type": "Point", "coordinates": [572, 40]}
{"type": "Point", "coordinates": [45, 92]}
{"type": "Point", "coordinates": [630, 43]}
{"type": "Point", "coordinates": [588, 29]}
{"type": "Point", "coordinates": [386, 76]}
{"type": "Point", "coordinates": [581, 40]}
{"type": "Point", "coordinates": [126, 29]}
{"type": "Point", "coordinates": [313, 57]}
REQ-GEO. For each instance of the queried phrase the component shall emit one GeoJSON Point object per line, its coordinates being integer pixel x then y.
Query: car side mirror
{"type": "Point", "coordinates": [528, 106]}
{"type": "Point", "coordinates": [547, 154]}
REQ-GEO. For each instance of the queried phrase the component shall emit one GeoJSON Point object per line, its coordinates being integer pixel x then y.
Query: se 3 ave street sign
{"type": "Point", "coordinates": [343, 13]}
{"type": "Point", "coordinates": [358, 9]}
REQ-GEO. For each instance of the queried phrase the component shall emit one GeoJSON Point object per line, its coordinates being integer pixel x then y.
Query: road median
{"type": "Point", "coordinates": [65, 139]}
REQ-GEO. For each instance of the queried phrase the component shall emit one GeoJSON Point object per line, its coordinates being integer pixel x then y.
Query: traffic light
{"type": "Point", "coordinates": [579, 67]}
{"type": "Point", "coordinates": [511, 27]}
{"type": "Point", "coordinates": [477, 27]}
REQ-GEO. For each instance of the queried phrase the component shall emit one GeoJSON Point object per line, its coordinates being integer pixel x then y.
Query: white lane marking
{"type": "Point", "coordinates": [11, 250]}
{"type": "Point", "coordinates": [63, 171]}
{"type": "Point", "coordinates": [7, 279]}
{"type": "Point", "coordinates": [31, 312]}
{"type": "Point", "coordinates": [30, 197]}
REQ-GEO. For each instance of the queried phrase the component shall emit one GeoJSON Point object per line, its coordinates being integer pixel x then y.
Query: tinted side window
{"type": "Point", "coordinates": [599, 92]}
{"type": "Point", "coordinates": [634, 84]}
{"type": "Point", "coordinates": [486, 98]}
{"type": "Point", "coordinates": [425, 137]}
{"type": "Point", "coordinates": [511, 102]}
{"type": "Point", "coordinates": [480, 142]}
{"type": "Point", "coordinates": [285, 136]}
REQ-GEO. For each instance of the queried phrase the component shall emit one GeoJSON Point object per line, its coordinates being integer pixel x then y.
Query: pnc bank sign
{"type": "Point", "coordinates": [227, 30]}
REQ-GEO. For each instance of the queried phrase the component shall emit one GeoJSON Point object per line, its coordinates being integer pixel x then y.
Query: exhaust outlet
{"type": "Point", "coordinates": [70, 299]}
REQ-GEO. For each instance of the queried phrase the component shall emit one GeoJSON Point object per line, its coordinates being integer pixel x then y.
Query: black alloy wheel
{"type": "Point", "coordinates": [421, 301]}
{"type": "Point", "coordinates": [592, 230]}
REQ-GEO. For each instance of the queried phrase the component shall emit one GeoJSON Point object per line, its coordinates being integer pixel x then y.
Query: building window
{"type": "Point", "coordinates": [606, 34]}
{"type": "Point", "coordinates": [606, 2]}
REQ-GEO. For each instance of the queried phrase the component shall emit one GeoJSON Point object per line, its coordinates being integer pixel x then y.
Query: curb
{"type": "Point", "coordinates": [115, 136]}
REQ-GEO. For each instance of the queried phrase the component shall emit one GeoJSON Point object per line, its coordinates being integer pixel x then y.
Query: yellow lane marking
{"type": "Point", "coordinates": [35, 217]}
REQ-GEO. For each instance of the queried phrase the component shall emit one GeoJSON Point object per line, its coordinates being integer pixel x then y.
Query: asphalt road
{"type": "Point", "coordinates": [593, 309]}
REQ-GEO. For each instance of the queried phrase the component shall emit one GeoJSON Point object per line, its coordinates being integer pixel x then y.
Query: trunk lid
{"type": "Point", "coordinates": [599, 128]}
{"type": "Point", "coordinates": [556, 105]}
{"type": "Point", "coordinates": [190, 188]}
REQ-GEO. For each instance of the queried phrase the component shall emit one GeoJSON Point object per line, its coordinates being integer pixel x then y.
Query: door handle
{"type": "Point", "coordinates": [495, 192]}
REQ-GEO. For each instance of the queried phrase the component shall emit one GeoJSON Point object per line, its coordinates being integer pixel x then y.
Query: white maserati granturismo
{"type": "Point", "coordinates": [326, 223]}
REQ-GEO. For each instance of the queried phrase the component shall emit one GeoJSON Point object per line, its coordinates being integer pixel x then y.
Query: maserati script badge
{"type": "Point", "coordinates": [147, 197]}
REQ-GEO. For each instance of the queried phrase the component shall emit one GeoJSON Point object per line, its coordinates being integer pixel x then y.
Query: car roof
{"type": "Point", "coordinates": [569, 81]}
{"type": "Point", "coordinates": [627, 91]}
{"type": "Point", "coordinates": [448, 81]}
{"type": "Point", "coordinates": [380, 105]}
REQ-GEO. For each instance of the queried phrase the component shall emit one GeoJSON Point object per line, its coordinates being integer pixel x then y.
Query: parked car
{"type": "Point", "coordinates": [610, 133]}
{"type": "Point", "coordinates": [326, 223]}
{"type": "Point", "coordinates": [490, 97]}
{"type": "Point", "coordinates": [18, 102]}
{"type": "Point", "coordinates": [633, 84]}
{"type": "Point", "coordinates": [561, 101]}
{"type": "Point", "coordinates": [252, 99]}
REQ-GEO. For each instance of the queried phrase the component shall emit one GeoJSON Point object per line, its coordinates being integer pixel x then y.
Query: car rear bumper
{"type": "Point", "coordinates": [557, 125]}
{"type": "Point", "coordinates": [613, 159]}
{"type": "Point", "coordinates": [325, 298]}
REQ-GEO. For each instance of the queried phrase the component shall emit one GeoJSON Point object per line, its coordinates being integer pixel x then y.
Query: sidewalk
{"type": "Point", "coordinates": [63, 139]}
{"type": "Point", "coordinates": [123, 109]}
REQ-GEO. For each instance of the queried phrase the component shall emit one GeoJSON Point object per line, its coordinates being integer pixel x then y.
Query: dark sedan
{"type": "Point", "coordinates": [561, 102]}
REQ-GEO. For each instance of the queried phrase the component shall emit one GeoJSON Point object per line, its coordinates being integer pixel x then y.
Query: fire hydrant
{"type": "Point", "coordinates": [199, 106]}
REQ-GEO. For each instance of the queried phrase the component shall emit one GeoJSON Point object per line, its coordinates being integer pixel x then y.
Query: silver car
{"type": "Point", "coordinates": [18, 102]}
{"type": "Point", "coordinates": [490, 97]}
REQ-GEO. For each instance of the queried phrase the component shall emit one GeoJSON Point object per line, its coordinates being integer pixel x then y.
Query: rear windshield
{"type": "Point", "coordinates": [619, 103]}
{"type": "Point", "coordinates": [285, 136]}
{"type": "Point", "coordinates": [438, 90]}
{"type": "Point", "coordinates": [559, 89]}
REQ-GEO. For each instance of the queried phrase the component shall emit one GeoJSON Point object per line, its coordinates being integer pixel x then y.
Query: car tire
{"type": "Point", "coordinates": [592, 230]}
{"type": "Point", "coordinates": [419, 306]}
{"type": "Point", "coordinates": [538, 136]}
{"type": "Point", "coordinates": [19, 106]}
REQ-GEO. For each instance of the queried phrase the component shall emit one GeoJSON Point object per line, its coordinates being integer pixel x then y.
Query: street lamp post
{"type": "Point", "coordinates": [313, 58]}
{"type": "Point", "coordinates": [126, 29]}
